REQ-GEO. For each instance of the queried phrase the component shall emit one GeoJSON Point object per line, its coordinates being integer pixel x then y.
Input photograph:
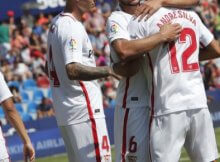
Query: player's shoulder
{"type": "Point", "coordinates": [119, 16]}
{"type": "Point", "coordinates": [65, 19]}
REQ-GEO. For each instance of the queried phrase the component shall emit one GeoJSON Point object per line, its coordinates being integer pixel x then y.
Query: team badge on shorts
{"type": "Point", "coordinates": [114, 28]}
{"type": "Point", "coordinates": [73, 44]}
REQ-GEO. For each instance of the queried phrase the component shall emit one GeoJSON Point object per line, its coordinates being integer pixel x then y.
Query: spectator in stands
{"type": "Point", "coordinates": [4, 38]}
{"type": "Point", "coordinates": [217, 26]}
{"type": "Point", "coordinates": [45, 108]}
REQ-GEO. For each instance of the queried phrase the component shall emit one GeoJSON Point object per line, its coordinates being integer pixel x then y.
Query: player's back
{"type": "Point", "coordinates": [177, 81]}
{"type": "Point", "coordinates": [69, 96]}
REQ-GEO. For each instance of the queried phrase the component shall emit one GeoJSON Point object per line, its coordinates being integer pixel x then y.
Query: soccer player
{"type": "Point", "coordinates": [76, 93]}
{"type": "Point", "coordinates": [14, 118]}
{"type": "Point", "coordinates": [131, 114]}
{"type": "Point", "coordinates": [179, 111]}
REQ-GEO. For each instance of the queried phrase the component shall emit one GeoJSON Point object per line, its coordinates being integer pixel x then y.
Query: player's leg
{"type": "Point", "coordinates": [5, 160]}
{"type": "Point", "coordinates": [200, 141]}
{"type": "Point", "coordinates": [83, 141]}
{"type": "Point", "coordinates": [167, 137]}
{"type": "Point", "coordinates": [69, 140]}
{"type": "Point", "coordinates": [131, 134]}
{"type": "Point", "coordinates": [104, 142]}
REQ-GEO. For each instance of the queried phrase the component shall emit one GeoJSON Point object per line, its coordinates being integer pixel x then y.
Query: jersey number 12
{"type": "Point", "coordinates": [186, 54]}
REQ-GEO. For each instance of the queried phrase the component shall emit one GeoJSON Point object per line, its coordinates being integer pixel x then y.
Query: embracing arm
{"type": "Point", "coordinates": [127, 50]}
{"type": "Point", "coordinates": [132, 49]}
{"type": "Point", "coordinates": [212, 51]}
{"type": "Point", "coordinates": [148, 7]}
{"type": "Point", "coordinates": [77, 71]}
{"type": "Point", "coordinates": [127, 69]}
{"type": "Point", "coordinates": [179, 3]}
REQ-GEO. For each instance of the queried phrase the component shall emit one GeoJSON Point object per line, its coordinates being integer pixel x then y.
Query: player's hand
{"type": "Point", "coordinates": [127, 69]}
{"type": "Point", "coordinates": [170, 32]}
{"type": "Point", "coordinates": [29, 153]}
{"type": "Point", "coordinates": [147, 9]}
{"type": "Point", "coordinates": [113, 74]}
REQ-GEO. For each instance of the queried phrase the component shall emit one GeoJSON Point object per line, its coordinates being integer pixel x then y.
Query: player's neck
{"type": "Point", "coordinates": [74, 11]}
{"type": "Point", "coordinates": [128, 9]}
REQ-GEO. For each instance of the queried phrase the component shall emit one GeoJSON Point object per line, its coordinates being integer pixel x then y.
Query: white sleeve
{"type": "Point", "coordinates": [71, 41]}
{"type": "Point", "coordinates": [117, 29]}
{"type": "Point", "coordinates": [138, 30]}
{"type": "Point", "coordinates": [206, 36]}
{"type": "Point", "coordinates": [5, 93]}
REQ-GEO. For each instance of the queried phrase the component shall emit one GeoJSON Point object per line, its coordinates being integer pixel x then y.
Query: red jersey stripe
{"type": "Point", "coordinates": [94, 130]}
{"type": "Point", "coordinates": [126, 93]}
{"type": "Point", "coordinates": [124, 137]}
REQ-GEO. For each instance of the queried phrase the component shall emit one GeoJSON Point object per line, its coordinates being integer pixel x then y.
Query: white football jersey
{"type": "Point", "coordinates": [68, 42]}
{"type": "Point", "coordinates": [131, 92]}
{"type": "Point", "coordinates": [5, 93]}
{"type": "Point", "coordinates": [177, 82]}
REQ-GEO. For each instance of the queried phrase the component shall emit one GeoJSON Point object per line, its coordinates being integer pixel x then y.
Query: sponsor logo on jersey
{"type": "Point", "coordinates": [73, 44]}
{"type": "Point", "coordinates": [133, 36]}
{"type": "Point", "coordinates": [52, 28]}
{"type": "Point", "coordinates": [91, 52]}
{"type": "Point", "coordinates": [97, 110]}
{"type": "Point", "coordinates": [132, 158]}
{"type": "Point", "coordinates": [114, 28]}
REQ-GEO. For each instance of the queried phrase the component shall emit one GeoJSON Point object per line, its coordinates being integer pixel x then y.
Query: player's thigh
{"type": "Point", "coordinates": [84, 141]}
{"type": "Point", "coordinates": [5, 160]}
{"type": "Point", "coordinates": [79, 142]}
{"type": "Point", "coordinates": [167, 136]}
{"type": "Point", "coordinates": [200, 141]}
{"type": "Point", "coordinates": [131, 134]}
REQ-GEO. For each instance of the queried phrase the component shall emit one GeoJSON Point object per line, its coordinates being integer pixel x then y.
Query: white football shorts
{"type": "Point", "coordinates": [191, 128]}
{"type": "Point", "coordinates": [131, 127]}
{"type": "Point", "coordinates": [87, 141]}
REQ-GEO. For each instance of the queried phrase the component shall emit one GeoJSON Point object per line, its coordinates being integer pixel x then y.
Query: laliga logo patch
{"type": "Point", "coordinates": [72, 44]}
{"type": "Point", "coordinates": [114, 28]}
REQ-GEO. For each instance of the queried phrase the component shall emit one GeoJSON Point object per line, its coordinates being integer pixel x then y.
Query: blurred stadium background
{"type": "Point", "coordinates": [23, 31]}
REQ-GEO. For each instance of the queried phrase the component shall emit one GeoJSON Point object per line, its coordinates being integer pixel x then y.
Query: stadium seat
{"type": "Point", "coordinates": [2, 115]}
{"type": "Point", "coordinates": [26, 117]}
{"type": "Point", "coordinates": [214, 93]}
{"type": "Point", "coordinates": [37, 96]}
{"type": "Point", "coordinates": [25, 97]}
{"type": "Point", "coordinates": [19, 108]}
{"type": "Point", "coordinates": [32, 107]}
{"type": "Point", "coordinates": [14, 83]}
{"type": "Point", "coordinates": [29, 84]}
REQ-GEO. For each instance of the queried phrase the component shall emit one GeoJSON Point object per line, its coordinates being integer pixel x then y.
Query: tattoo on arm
{"type": "Point", "coordinates": [77, 71]}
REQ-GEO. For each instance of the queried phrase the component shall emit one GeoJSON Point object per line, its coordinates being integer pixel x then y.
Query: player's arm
{"type": "Point", "coordinates": [132, 49]}
{"type": "Point", "coordinates": [150, 6]}
{"type": "Point", "coordinates": [77, 71]}
{"type": "Point", "coordinates": [14, 118]}
{"type": "Point", "coordinates": [127, 69]}
{"type": "Point", "coordinates": [212, 51]}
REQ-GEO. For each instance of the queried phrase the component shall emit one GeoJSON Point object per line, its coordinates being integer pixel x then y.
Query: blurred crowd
{"type": "Point", "coordinates": [23, 50]}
